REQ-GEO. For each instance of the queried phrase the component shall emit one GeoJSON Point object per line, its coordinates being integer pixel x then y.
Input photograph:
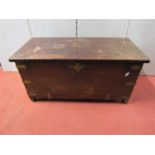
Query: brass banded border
{"type": "Point", "coordinates": [27, 81]}
{"type": "Point", "coordinates": [21, 66]}
{"type": "Point", "coordinates": [129, 83]}
{"type": "Point", "coordinates": [135, 67]}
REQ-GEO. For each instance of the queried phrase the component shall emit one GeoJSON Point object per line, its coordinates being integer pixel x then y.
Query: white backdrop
{"type": "Point", "coordinates": [14, 33]}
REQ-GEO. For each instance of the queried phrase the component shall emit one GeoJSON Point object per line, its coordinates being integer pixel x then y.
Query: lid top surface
{"type": "Point", "coordinates": [79, 49]}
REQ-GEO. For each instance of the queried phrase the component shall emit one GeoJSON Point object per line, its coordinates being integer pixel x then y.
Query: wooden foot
{"type": "Point", "coordinates": [33, 99]}
{"type": "Point", "coordinates": [125, 101]}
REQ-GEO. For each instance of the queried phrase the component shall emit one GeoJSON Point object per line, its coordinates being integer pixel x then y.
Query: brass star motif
{"type": "Point", "coordinates": [77, 67]}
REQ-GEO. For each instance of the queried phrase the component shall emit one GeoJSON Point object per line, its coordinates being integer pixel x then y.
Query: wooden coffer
{"type": "Point", "coordinates": [79, 68]}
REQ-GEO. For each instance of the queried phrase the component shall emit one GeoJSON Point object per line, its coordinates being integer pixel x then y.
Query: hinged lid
{"type": "Point", "coordinates": [106, 49]}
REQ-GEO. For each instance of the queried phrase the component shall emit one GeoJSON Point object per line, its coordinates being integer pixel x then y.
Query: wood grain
{"type": "Point", "coordinates": [107, 49]}
{"type": "Point", "coordinates": [79, 69]}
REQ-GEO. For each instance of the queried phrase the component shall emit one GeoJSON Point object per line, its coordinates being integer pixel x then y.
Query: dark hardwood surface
{"type": "Point", "coordinates": [79, 68]}
{"type": "Point", "coordinates": [95, 80]}
{"type": "Point", "coordinates": [106, 49]}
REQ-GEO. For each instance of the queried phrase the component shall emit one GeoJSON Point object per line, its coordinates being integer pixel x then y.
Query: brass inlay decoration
{"type": "Point", "coordinates": [21, 66]}
{"type": "Point", "coordinates": [75, 44]}
{"type": "Point", "coordinates": [135, 67]}
{"type": "Point", "coordinates": [129, 83]}
{"type": "Point", "coordinates": [100, 51]}
{"type": "Point", "coordinates": [58, 46]}
{"type": "Point", "coordinates": [89, 90]}
{"type": "Point", "coordinates": [36, 49]}
{"type": "Point", "coordinates": [49, 95]}
{"type": "Point", "coordinates": [108, 96]}
{"type": "Point", "coordinates": [27, 81]}
{"type": "Point", "coordinates": [77, 67]}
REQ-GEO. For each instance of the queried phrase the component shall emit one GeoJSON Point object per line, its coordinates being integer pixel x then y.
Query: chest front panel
{"type": "Point", "coordinates": [79, 79]}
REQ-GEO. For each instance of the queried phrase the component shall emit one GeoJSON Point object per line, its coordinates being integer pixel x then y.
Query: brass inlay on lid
{"type": "Point", "coordinates": [36, 49]}
{"type": "Point", "coordinates": [75, 44]}
{"type": "Point", "coordinates": [58, 46]}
